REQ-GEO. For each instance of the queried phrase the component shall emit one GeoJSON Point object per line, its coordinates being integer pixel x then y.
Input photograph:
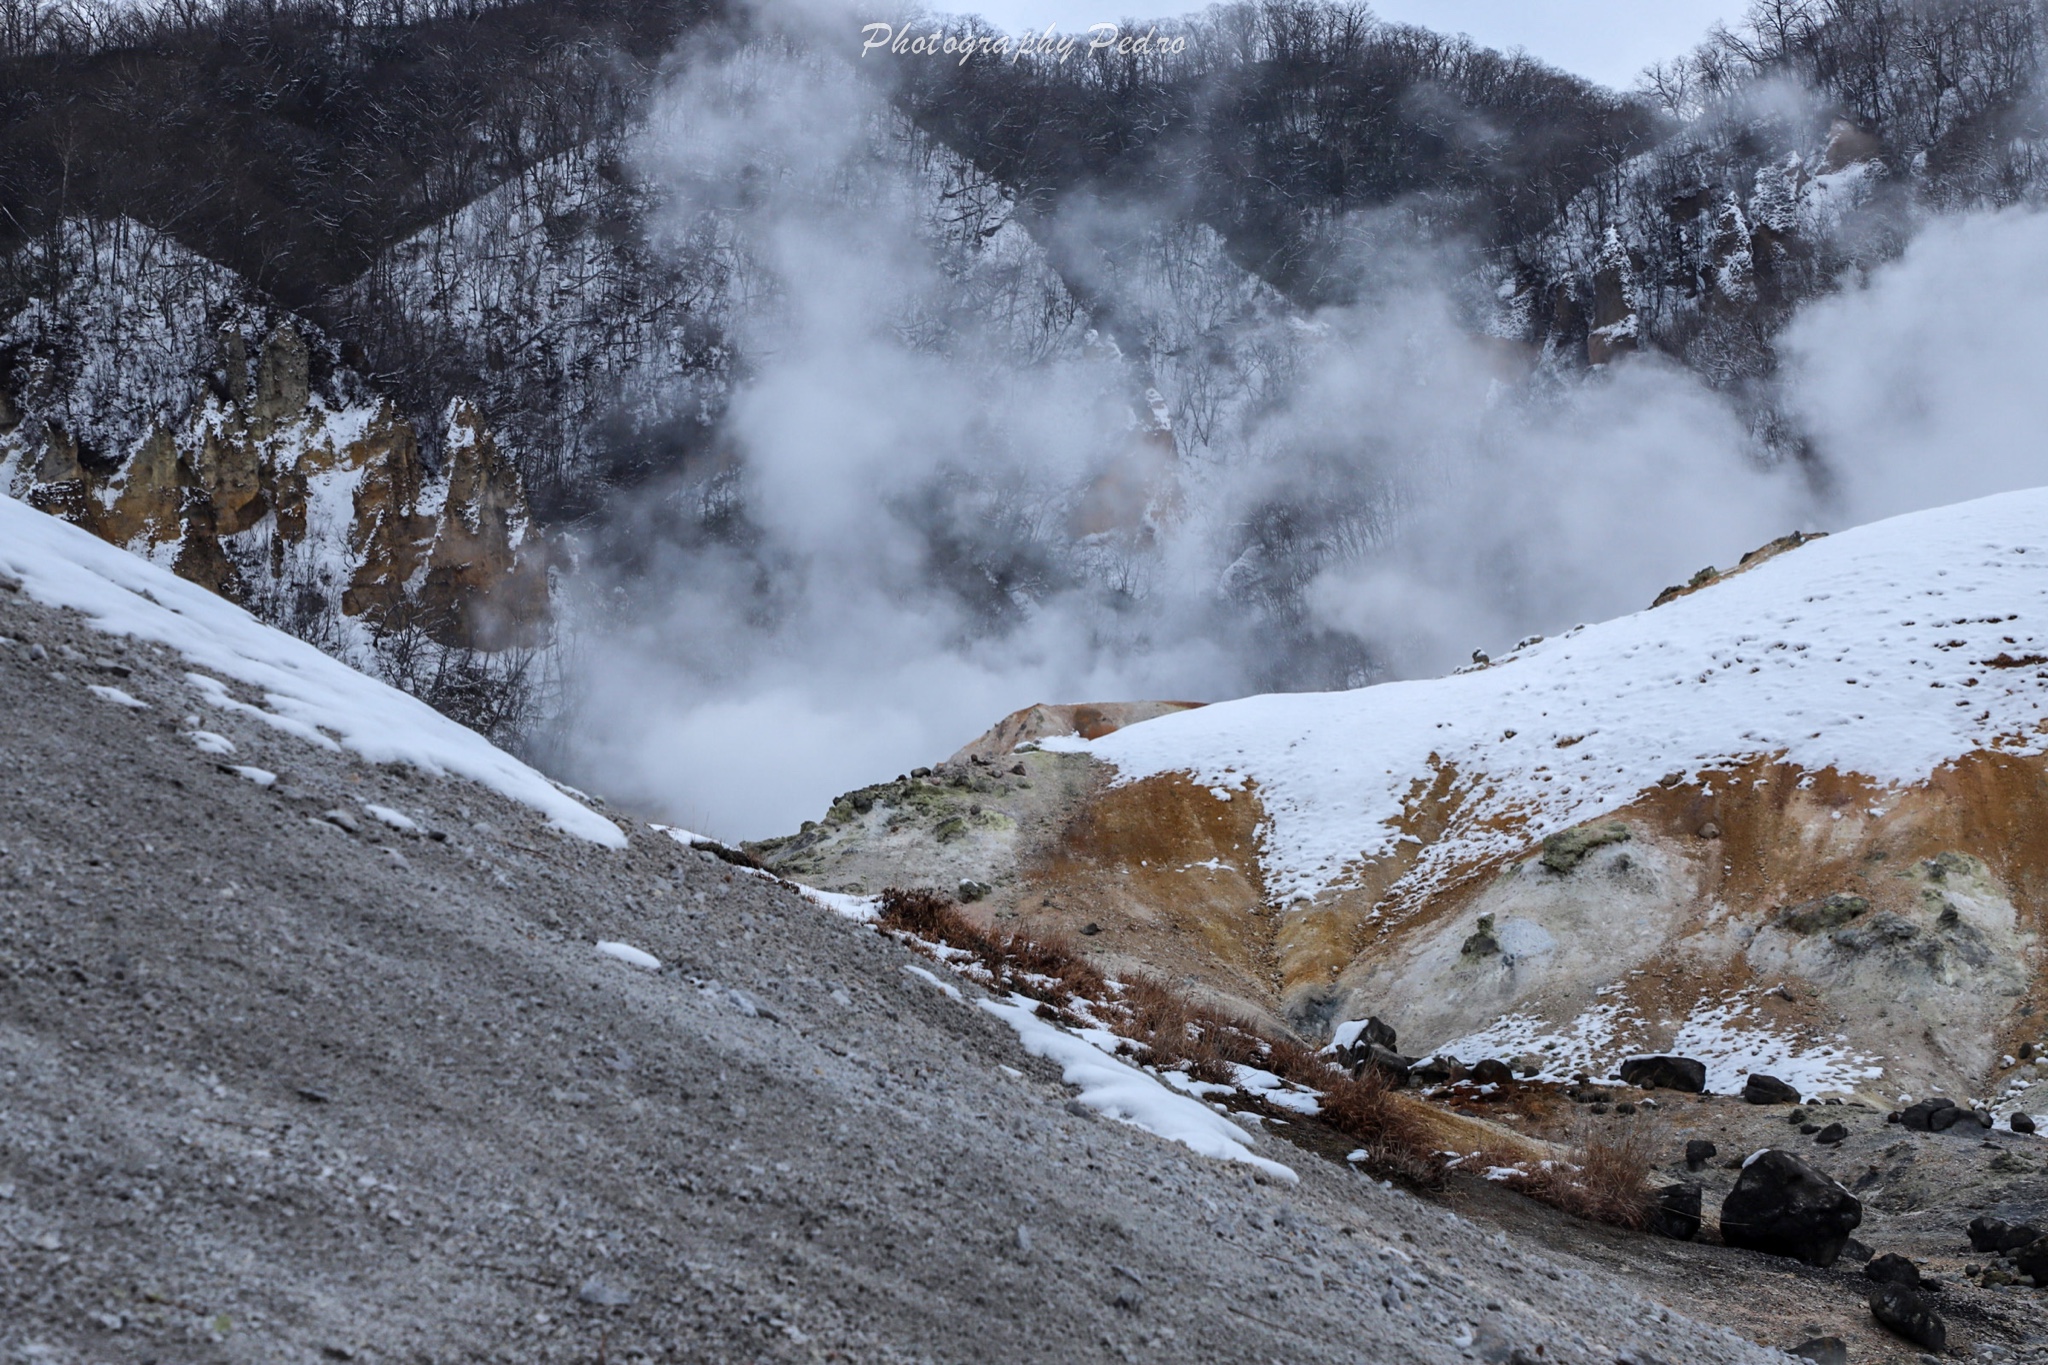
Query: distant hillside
{"type": "Point", "coordinates": [1783, 821]}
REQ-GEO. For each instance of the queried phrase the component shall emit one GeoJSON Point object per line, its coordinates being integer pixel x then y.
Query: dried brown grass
{"type": "Point", "coordinates": [1044, 969]}
{"type": "Point", "coordinates": [1400, 1133]}
{"type": "Point", "coordinates": [1606, 1178]}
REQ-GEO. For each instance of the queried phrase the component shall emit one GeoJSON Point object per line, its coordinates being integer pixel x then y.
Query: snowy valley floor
{"type": "Point", "coordinates": [275, 1089]}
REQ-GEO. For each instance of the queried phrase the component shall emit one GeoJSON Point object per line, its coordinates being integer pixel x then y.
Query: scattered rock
{"type": "Point", "coordinates": [1832, 1134]}
{"type": "Point", "coordinates": [1855, 1252]}
{"type": "Point", "coordinates": [1384, 1059]}
{"type": "Point", "coordinates": [2022, 1123]}
{"type": "Point", "coordinates": [1782, 1206]}
{"type": "Point", "coordinates": [1985, 1231]}
{"type": "Point", "coordinates": [342, 819]}
{"type": "Point", "coordinates": [1759, 1089]}
{"type": "Point", "coordinates": [1665, 1073]}
{"type": "Point", "coordinates": [2017, 1236]}
{"type": "Point", "coordinates": [1481, 942]}
{"type": "Point", "coordinates": [1091, 929]}
{"type": "Point", "coordinates": [1438, 1071]}
{"type": "Point", "coordinates": [972, 891]}
{"type": "Point", "coordinates": [1492, 1071]}
{"type": "Point", "coordinates": [1892, 1268]}
{"type": "Point", "coordinates": [1380, 1033]}
{"type": "Point", "coordinates": [1563, 852]}
{"type": "Point", "coordinates": [1676, 1214]}
{"type": "Point", "coordinates": [312, 1096]}
{"type": "Point", "coordinates": [1934, 1115]}
{"type": "Point", "coordinates": [1710, 830]}
{"type": "Point", "coordinates": [1905, 1313]}
{"type": "Point", "coordinates": [1823, 1351]}
{"type": "Point", "coordinates": [601, 1295]}
{"type": "Point", "coordinates": [1079, 1110]}
{"type": "Point", "coordinates": [1823, 914]}
{"type": "Point", "coordinates": [2032, 1261]}
{"type": "Point", "coordinates": [1698, 1152]}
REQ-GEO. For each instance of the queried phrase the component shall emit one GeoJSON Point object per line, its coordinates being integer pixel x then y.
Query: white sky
{"type": "Point", "coordinates": [1606, 40]}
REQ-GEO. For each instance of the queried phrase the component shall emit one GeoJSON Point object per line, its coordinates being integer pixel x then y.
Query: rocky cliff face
{"type": "Point", "coordinates": [156, 400]}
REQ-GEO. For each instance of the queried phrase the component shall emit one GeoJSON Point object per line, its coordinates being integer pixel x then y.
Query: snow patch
{"type": "Point", "coordinates": [952, 991]}
{"type": "Point", "coordinates": [397, 820]}
{"type": "Point", "coordinates": [207, 742]}
{"type": "Point", "coordinates": [116, 696]}
{"type": "Point", "coordinates": [865, 909]}
{"type": "Point", "coordinates": [628, 954]}
{"type": "Point", "coordinates": [1122, 1092]}
{"type": "Point", "coordinates": [1723, 1034]}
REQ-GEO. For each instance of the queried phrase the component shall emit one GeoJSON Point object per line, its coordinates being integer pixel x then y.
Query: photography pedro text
{"type": "Point", "coordinates": [1051, 43]}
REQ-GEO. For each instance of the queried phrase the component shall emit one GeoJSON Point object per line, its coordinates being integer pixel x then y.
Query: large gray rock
{"type": "Point", "coordinates": [1783, 1206]}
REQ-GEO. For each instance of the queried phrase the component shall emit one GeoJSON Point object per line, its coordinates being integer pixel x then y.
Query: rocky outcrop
{"type": "Point", "coordinates": [160, 403]}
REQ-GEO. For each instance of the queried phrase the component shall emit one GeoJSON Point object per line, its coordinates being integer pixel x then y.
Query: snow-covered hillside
{"type": "Point", "coordinates": [1787, 820]}
{"type": "Point", "coordinates": [281, 681]}
{"type": "Point", "coordinates": [1886, 652]}
{"type": "Point", "coordinates": [1780, 821]}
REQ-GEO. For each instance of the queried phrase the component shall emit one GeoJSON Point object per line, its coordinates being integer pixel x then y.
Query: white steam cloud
{"type": "Point", "coordinates": [925, 407]}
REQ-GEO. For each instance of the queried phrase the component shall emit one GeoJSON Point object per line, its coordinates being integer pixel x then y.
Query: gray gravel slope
{"type": "Point", "coordinates": [275, 1091]}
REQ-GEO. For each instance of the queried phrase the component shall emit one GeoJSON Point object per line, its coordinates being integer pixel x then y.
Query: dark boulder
{"type": "Point", "coordinates": [1492, 1071]}
{"type": "Point", "coordinates": [1832, 1134]}
{"type": "Point", "coordinates": [1998, 1236]}
{"type": "Point", "coordinates": [1698, 1152]}
{"type": "Point", "coordinates": [1905, 1313]}
{"type": "Point", "coordinates": [1892, 1268]}
{"type": "Point", "coordinates": [1665, 1073]}
{"type": "Point", "coordinates": [2022, 1123]}
{"type": "Point", "coordinates": [1377, 1033]}
{"type": "Point", "coordinates": [1676, 1214]}
{"type": "Point", "coordinates": [1386, 1061]}
{"type": "Point", "coordinates": [1783, 1206]}
{"type": "Point", "coordinates": [1768, 1090]}
{"type": "Point", "coordinates": [1438, 1071]}
{"type": "Point", "coordinates": [1823, 1351]}
{"type": "Point", "coordinates": [1985, 1232]}
{"type": "Point", "coordinates": [1935, 1115]}
{"type": "Point", "coordinates": [2031, 1260]}
{"type": "Point", "coordinates": [2017, 1236]}
{"type": "Point", "coordinates": [1855, 1252]}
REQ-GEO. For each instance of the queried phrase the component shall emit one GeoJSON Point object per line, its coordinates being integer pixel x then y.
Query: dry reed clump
{"type": "Point", "coordinates": [1392, 1129]}
{"type": "Point", "coordinates": [1046, 970]}
{"type": "Point", "coordinates": [1607, 1177]}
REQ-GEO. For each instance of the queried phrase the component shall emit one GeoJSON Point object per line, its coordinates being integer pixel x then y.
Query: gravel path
{"type": "Point", "coordinates": [272, 1089]}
